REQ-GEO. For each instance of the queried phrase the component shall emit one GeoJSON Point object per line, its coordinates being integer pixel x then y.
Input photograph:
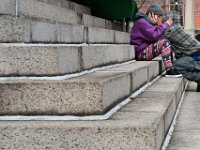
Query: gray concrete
{"type": "Point", "coordinates": [37, 9]}
{"type": "Point", "coordinates": [69, 5]}
{"type": "Point", "coordinates": [186, 135]}
{"type": "Point", "coordinates": [144, 71]}
{"type": "Point", "coordinates": [161, 64]}
{"type": "Point", "coordinates": [88, 20]}
{"type": "Point", "coordinates": [101, 55]}
{"type": "Point", "coordinates": [55, 59]}
{"type": "Point", "coordinates": [8, 7]}
{"type": "Point", "coordinates": [139, 125]}
{"type": "Point", "coordinates": [14, 29]}
{"type": "Point", "coordinates": [122, 37]}
{"type": "Point", "coordinates": [22, 29]}
{"type": "Point", "coordinates": [33, 60]}
{"type": "Point", "coordinates": [92, 93]}
{"type": "Point", "coordinates": [89, 94]}
{"type": "Point", "coordinates": [97, 35]}
{"type": "Point", "coordinates": [114, 25]}
{"type": "Point", "coordinates": [56, 13]}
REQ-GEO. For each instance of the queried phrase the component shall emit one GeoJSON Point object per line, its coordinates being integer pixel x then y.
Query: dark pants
{"type": "Point", "coordinates": [189, 68]}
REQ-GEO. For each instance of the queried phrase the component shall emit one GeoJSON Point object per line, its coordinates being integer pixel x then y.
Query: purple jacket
{"type": "Point", "coordinates": [144, 33]}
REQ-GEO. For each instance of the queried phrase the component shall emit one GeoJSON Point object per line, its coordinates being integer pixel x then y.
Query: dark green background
{"type": "Point", "coordinates": [112, 9]}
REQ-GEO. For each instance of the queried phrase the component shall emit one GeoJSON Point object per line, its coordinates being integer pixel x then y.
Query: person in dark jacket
{"type": "Point", "coordinates": [146, 37]}
{"type": "Point", "coordinates": [186, 49]}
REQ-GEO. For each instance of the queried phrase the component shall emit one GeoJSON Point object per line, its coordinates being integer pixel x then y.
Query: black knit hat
{"type": "Point", "coordinates": [156, 9]}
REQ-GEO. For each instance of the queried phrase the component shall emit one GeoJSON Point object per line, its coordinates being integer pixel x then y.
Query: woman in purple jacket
{"type": "Point", "coordinates": [146, 37]}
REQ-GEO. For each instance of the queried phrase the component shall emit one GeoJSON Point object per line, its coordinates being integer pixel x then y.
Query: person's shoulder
{"type": "Point", "coordinates": [140, 20]}
{"type": "Point", "coordinates": [140, 16]}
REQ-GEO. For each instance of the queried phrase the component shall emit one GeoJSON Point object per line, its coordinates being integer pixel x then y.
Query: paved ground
{"type": "Point", "coordinates": [186, 135]}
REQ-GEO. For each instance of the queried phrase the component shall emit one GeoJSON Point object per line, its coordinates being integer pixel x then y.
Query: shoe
{"type": "Point", "coordinates": [198, 87]}
{"type": "Point", "coordinates": [172, 73]}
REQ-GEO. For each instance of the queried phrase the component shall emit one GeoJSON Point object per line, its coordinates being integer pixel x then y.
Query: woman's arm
{"type": "Point", "coordinates": [151, 32]}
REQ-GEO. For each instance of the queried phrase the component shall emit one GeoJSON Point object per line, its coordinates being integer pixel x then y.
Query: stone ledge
{"type": "Point", "coordinates": [49, 11]}
{"type": "Point", "coordinates": [55, 59]}
{"type": "Point", "coordinates": [138, 125]}
{"type": "Point", "coordinates": [23, 29]}
{"type": "Point", "coordinates": [92, 93]}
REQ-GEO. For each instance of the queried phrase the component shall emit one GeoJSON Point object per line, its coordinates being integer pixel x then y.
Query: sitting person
{"type": "Point", "coordinates": [182, 43]}
{"type": "Point", "coordinates": [146, 37]}
{"type": "Point", "coordinates": [186, 49]}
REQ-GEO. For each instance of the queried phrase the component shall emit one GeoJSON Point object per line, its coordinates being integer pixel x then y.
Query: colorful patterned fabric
{"type": "Point", "coordinates": [162, 47]}
{"type": "Point", "coordinates": [144, 33]}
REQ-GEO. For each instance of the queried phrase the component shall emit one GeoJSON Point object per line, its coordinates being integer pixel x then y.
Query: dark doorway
{"type": "Point", "coordinates": [197, 37]}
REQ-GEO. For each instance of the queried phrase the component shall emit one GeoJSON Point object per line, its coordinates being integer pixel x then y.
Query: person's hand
{"type": "Point", "coordinates": [169, 21]}
{"type": "Point", "coordinates": [153, 18]}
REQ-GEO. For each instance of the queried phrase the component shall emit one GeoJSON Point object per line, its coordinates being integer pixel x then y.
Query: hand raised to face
{"type": "Point", "coordinates": [169, 21]}
{"type": "Point", "coordinates": [153, 18]}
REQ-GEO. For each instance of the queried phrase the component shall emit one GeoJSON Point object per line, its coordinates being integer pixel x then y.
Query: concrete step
{"type": "Point", "coordinates": [69, 5]}
{"type": "Point", "coordinates": [142, 124]}
{"type": "Point", "coordinates": [161, 64]}
{"type": "Point", "coordinates": [186, 134]}
{"type": "Point", "coordinates": [22, 29]}
{"type": "Point", "coordinates": [41, 10]}
{"type": "Point", "coordinates": [93, 93]}
{"type": "Point", "coordinates": [59, 59]}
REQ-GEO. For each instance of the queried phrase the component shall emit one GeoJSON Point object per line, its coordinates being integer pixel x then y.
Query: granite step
{"type": "Point", "coordinates": [59, 59]}
{"type": "Point", "coordinates": [42, 10]}
{"type": "Point", "coordinates": [93, 93]}
{"type": "Point", "coordinates": [161, 64]}
{"type": "Point", "coordinates": [22, 29]}
{"type": "Point", "coordinates": [186, 134]}
{"type": "Point", "coordinates": [141, 124]}
{"type": "Point", "coordinates": [69, 5]}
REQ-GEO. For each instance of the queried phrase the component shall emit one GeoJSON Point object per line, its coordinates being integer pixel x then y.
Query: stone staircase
{"type": "Point", "coordinates": [68, 78]}
{"type": "Point", "coordinates": [186, 129]}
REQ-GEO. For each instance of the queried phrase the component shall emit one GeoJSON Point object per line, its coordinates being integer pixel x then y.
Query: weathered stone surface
{"type": "Point", "coordinates": [93, 21]}
{"type": "Point", "coordinates": [185, 140]}
{"type": "Point", "coordinates": [149, 102]}
{"type": "Point", "coordinates": [187, 130]}
{"type": "Point", "coordinates": [113, 135]}
{"type": "Point", "coordinates": [69, 5]}
{"type": "Point", "coordinates": [161, 64]}
{"type": "Point", "coordinates": [141, 72]}
{"type": "Point", "coordinates": [55, 59]}
{"type": "Point", "coordinates": [97, 35]}
{"type": "Point", "coordinates": [100, 55]}
{"type": "Point", "coordinates": [57, 11]}
{"type": "Point", "coordinates": [41, 10]}
{"type": "Point", "coordinates": [89, 94]}
{"type": "Point", "coordinates": [136, 126]}
{"type": "Point", "coordinates": [13, 29]}
{"type": "Point", "coordinates": [6, 7]}
{"type": "Point", "coordinates": [38, 59]}
{"type": "Point", "coordinates": [22, 29]}
{"type": "Point", "coordinates": [122, 37]}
